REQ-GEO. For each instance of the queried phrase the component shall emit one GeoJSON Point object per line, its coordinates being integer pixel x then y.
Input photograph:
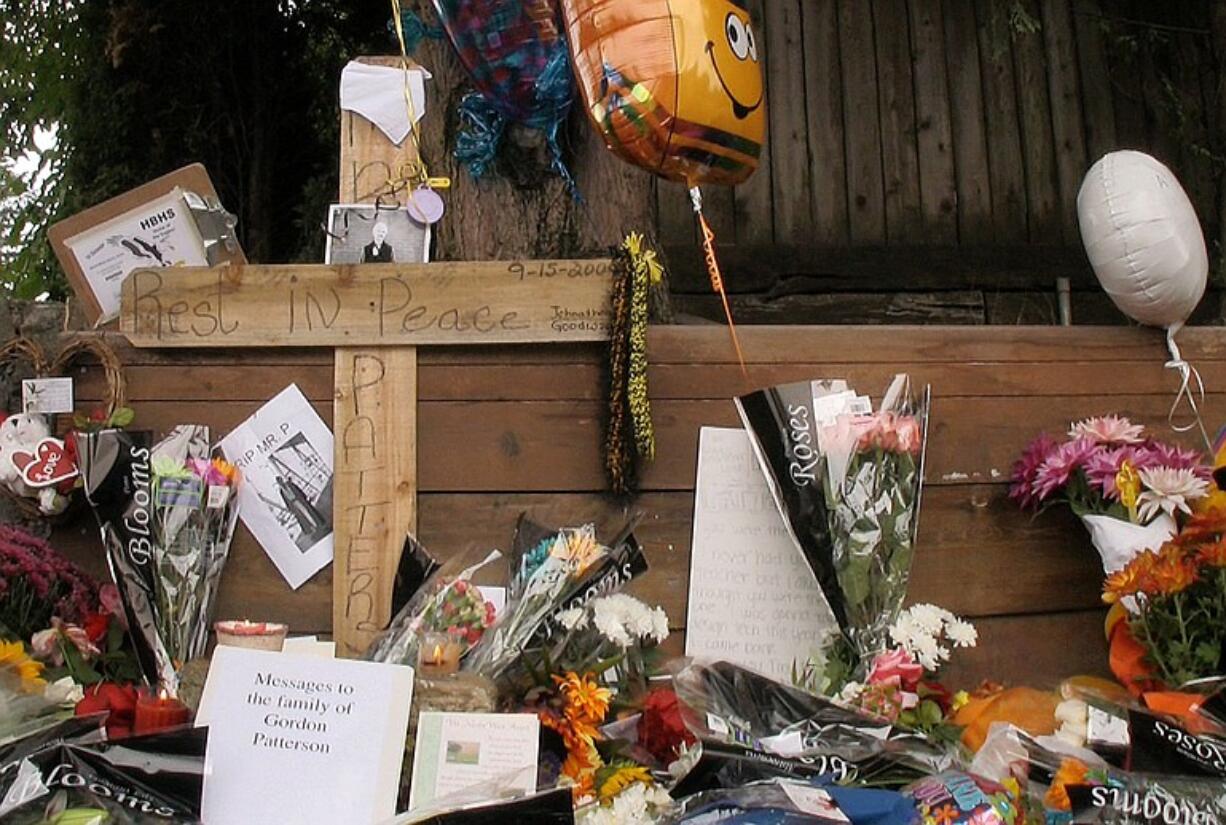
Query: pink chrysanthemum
{"type": "Point", "coordinates": [1055, 472]}
{"type": "Point", "coordinates": [1108, 429]}
{"type": "Point", "coordinates": [1027, 468]}
{"type": "Point", "coordinates": [1104, 466]}
{"type": "Point", "coordinates": [1177, 458]}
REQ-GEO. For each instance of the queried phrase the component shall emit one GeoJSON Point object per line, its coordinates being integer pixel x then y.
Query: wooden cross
{"type": "Point", "coordinates": [374, 316]}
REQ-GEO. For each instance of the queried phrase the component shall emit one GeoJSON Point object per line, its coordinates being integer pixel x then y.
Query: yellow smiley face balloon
{"type": "Point", "coordinates": [674, 86]}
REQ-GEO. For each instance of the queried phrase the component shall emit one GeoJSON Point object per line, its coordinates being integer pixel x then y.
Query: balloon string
{"type": "Point", "coordinates": [717, 279]}
{"type": "Point", "coordinates": [411, 171]}
{"type": "Point", "coordinates": [1187, 375]}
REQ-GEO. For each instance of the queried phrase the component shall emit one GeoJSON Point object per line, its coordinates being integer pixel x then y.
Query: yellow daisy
{"type": "Point", "coordinates": [15, 663]}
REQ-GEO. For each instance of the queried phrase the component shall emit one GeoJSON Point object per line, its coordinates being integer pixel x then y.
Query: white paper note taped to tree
{"type": "Point", "coordinates": [752, 601]}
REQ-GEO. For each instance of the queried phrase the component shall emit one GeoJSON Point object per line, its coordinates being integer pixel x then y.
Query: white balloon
{"type": "Point", "coordinates": [1143, 238]}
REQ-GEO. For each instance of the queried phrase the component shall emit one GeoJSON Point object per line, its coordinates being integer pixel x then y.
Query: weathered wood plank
{"type": "Point", "coordinates": [1004, 131]}
{"type": "Point", "coordinates": [938, 185]}
{"type": "Point", "coordinates": [970, 142]}
{"type": "Point", "coordinates": [755, 222]}
{"type": "Point", "coordinates": [1095, 74]}
{"type": "Point", "coordinates": [581, 380]}
{"type": "Point", "coordinates": [965, 534]}
{"type": "Point", "coordinates": [896, 98]}
{"type": "Point", "coordinates": [374, 486]}
{"type": "Point", "coordinates": [843, 308]}
{"type": "Point", "coordinates": [502, 445]}
{"type": "Point", "coordinates": [374, 304]}
{"type": "Point", "coordinates": [865, 185]}
{"type": "Point", "coordinates": [1038, 144]}
{"type": "Point", "coordinates": [824, 108]}
{"type": "Point", "coordinates": [1068, 128]}
{"type": "Point", "coordinates": [700, 347]}
{"type": "Point", "coordinates": [885, 268]}
{"type": "Point", "coordinates": [791, 181]}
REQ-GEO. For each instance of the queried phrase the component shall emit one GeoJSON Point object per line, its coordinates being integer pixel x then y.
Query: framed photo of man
{"type": "Point", "coordinates": [369, 234]}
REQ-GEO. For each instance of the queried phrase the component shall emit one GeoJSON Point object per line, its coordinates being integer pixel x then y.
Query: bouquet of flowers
{"type": "Point", "coordinates": [847, 481]}
{"type": "Point", "coordinates": [552, 571]}
{"type": "Point", "coordinates": [447, 603]}
{"type": "Point", "coordinates": [58, 632]}
{"type": "Point", "coordinates": [1126, 487]}
{"type": "Point", "coordinates": [168, 514]}
{"type": "Point", "coordinates": [1178, 603]}
{"type": "Point", "coordinates": [598, 662]}
{"type": "Point", "coordinates": [901, 686]}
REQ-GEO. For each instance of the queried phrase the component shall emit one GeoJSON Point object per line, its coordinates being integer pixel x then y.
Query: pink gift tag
{"type": "Point", "coordinates": [425, 206]}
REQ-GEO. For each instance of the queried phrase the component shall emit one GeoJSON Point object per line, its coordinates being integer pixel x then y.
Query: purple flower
{"type": "Point", "coordinates": [1055, 472]}
{"type": "Point", "coordinates": [1177, 458]}
{"type": "Point", "coordinates": [1104, 467]}
{"type": "Point", "coordinates": [1027, 469]}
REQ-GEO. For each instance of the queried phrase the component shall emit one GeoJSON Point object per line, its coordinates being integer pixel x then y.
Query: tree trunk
{"type": "Point", "coordinates": [526, 210]}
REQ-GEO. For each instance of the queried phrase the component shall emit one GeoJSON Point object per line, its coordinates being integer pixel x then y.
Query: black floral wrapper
{"type": "Point", "coordinates": [782, 427]}
{"type": "Point", "coordinates": [1149, 800]}
{"type": "Point", "coordinates": [742, 718]}
{"type": "Point", "coordinates": [135, 781]}
{"type": "Point", "coordinates": [415, 568]}
{"type": "Point", "coordinates": [117, 472]}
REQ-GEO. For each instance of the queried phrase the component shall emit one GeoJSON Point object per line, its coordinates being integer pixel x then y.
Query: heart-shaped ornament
{"type": "Point", "coordinates": [46, 466]}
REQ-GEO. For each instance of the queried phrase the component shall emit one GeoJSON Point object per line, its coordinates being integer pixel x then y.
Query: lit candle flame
{"type": "Point", "coordinates": [437, 659]}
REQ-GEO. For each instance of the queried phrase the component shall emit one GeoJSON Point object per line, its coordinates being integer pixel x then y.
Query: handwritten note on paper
{"type": "Point", "coordinates": [752, 600]}
{"type": "Point", "coordinates": [302, 738]}
{"type": "Point", "coordinates": [458, 752]}
{"type": "Point", "coordinates": [312, 305]}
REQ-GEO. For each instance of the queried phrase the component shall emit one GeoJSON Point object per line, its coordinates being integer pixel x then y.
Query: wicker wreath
{"type": "Point", "coordinates": [28, 351]}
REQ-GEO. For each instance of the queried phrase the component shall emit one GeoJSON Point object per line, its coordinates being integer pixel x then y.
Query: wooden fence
{"type": "Point", "coordinates": [512, 429]}
{"type": "Point", "coordinates": [963, 124]}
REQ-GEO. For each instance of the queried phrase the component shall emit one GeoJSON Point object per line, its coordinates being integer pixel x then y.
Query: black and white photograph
{"type": "Point", "coordinates": [284, 452]}
{"type": "Point", "coordinates": [366, 234]}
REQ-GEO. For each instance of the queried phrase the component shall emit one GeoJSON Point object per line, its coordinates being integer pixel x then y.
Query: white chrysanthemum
{"type": "Point", "coordinates": [929, 617]}
{"type": "Point", "coordinates": [573, 619]}
{"type": "Point", "coordinates": [928, 653]}
{"type": "Point", "coordinates": [904, 630]}
{"type": "Point", "coordinates": [608, 619]}
{"type": "Point", "coordinates": [659, 625]}
{"type": "Point", "coordinates": [1169, 490]}
{"type": "Point", "coordinates": [961, 633]}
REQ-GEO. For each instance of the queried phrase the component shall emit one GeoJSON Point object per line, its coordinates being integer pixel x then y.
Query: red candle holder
{"type": "Point", "coordinates": [157, 710]}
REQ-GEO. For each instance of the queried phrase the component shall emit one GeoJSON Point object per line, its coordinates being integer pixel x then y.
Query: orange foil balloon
{"type": "Point", "coordinates": [673, 85]}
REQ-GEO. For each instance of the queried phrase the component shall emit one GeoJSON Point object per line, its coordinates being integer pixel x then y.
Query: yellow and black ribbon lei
{"type": "Point", "coordinates": [629, 434]}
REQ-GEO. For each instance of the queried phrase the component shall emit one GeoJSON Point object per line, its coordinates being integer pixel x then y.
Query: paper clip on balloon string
{"type": "Point", "coordinates": [717, 279]}
{"type": "Point", "coordinates": [1191, 390]}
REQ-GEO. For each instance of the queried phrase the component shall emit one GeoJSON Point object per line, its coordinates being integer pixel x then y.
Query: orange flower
{"type": "Point", "coordinates": [1207, 526]}
{"type": "Point", "coordinates": [1214, 554]}
{"type": "Point", "coordinates": [585, 699]}
{"type": "Point", "coordinates": [1131, 579]}
{"type": "Point", "coordinates": [1071, 772]}
{"type": "Point", "coordinates": [945, 815]}
{"type": "Point", "coordinates": [1172, 573]}
{"type": "Point", "coordinates": [1126, 581]}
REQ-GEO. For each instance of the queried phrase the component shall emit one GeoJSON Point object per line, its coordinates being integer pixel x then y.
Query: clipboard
{"type": "Point", "coordinates": [213, 225]}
